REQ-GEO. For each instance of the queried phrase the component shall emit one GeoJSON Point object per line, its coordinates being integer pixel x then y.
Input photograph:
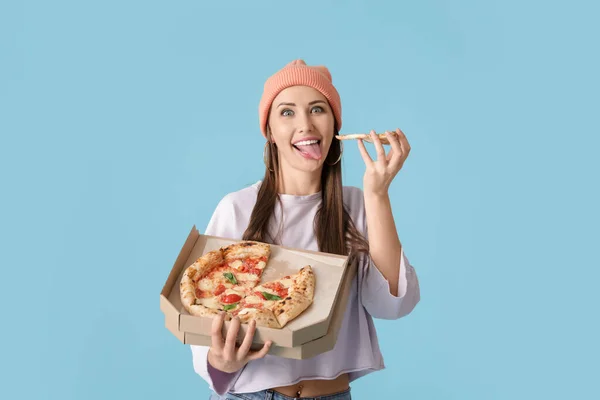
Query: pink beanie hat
{"type": "Point", "coordinates": [297, 73]}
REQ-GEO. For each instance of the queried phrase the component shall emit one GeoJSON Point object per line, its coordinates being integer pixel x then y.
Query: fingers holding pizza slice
{"type": "Point", "coordinates": [228, 280]}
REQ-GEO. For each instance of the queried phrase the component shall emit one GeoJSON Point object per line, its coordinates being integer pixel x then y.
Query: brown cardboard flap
{"type": "Point", "coordinates": [172, 325]}
{"type": "Point", "coordinates": [167, 308]}
{"type": "Point", "coordinates": [187, 248]}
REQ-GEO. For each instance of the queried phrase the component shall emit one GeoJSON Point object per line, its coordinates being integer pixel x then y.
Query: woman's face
{"type": "Point", "coordinates": [302, 126]}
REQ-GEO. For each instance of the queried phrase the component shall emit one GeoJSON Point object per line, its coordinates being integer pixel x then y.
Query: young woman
{"type": "Point", "coordinates": [301, 203]}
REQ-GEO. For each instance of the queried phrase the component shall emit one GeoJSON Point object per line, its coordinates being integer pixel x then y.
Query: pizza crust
{"type": "Point", "coordinates": [199, 310]}
{"type": "Point", "coordinates": [300, 293]}
{"type": "Point", "coordinates": [193, 274]}
{"type": "Point", "coordinates": [300, 297]}
{"type": "Point", "coordinates": [263, 317]}
{"type": "Point", "coordinates": [246, 249]}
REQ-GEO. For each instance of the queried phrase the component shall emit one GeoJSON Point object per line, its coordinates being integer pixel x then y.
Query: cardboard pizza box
{"type": "Point", "coordinates": [311, 333]}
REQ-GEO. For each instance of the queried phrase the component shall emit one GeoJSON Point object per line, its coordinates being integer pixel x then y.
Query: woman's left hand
{"type": "Point", "coordinates": [380, 173]}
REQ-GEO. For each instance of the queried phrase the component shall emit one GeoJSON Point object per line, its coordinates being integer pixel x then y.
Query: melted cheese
{"type": "Point", "coordinates": [247, 310]}
{"type": "Point", "coordinates": [269, 303]}
{"type": "Point", "coordinates": [206, 285]}
{"type": "Point", "coordinates": [244, 276]}
{"type": "Point", "coordinates": [213, 302]}
{"type": "Point", "coordinates": [287, 283]}
{"type": "Point", "coordinates": [210, 302]}
{"type": "Point", "coordinates": [236, 264]}
{"type": "Point", "coordinates": [232, 291]}
{"type": "Point", "coordinates": [252, 299]}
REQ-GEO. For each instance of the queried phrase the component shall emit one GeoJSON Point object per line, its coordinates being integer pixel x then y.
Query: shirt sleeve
{"type": "Point", "coordinates": [374, 289]}
{"type": "Point", "coordinates": [218, 381]}
{"type": "Point", "coordinates": [222, 224]}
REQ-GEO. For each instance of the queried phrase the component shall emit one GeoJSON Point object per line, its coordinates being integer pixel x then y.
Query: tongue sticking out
{"type": "Point", "coordinates": [311, 151]}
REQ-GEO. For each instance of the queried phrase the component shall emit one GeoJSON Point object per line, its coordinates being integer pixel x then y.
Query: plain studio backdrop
{"type": "Point", "coordinates": [123, 123]}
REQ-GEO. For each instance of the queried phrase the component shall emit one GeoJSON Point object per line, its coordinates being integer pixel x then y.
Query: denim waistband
{"type": "Point", "coordinates": [270, 394]}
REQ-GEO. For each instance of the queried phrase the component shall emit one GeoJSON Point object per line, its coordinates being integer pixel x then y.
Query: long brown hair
{"type": "Point", "coordinates": [333, 226]}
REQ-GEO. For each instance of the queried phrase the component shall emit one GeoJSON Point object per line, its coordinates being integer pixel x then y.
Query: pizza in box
{"type": "Point", "coordinates": [228, 280]}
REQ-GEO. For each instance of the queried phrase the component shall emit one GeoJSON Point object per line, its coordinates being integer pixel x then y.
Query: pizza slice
{"type": "Point", "coordinates": [364, 136]}
{"type": "Point", "coordinates": [219, 279]}
{"type": "Point", "coordinates": [248, 260]}
{"type": "Point", "coordinates": [209, 286]}
{"type": "Point", "coordinates": [218, 291]}
{"type": "Point", "coordinates": [274, 304]}
{"type": "Point", "coordinates": [197, 284]}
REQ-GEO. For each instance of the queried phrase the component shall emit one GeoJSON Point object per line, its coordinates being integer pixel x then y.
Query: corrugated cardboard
{"type": "Point", "coordinates": [311, 333]}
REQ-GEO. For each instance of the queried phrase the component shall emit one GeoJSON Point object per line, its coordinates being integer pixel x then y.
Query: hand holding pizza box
{"type": "Point", "coordinates": [224, 354]}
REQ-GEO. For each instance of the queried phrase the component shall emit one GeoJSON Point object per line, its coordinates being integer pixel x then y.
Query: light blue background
{"type": "Point", "coordinates": [124, 123]}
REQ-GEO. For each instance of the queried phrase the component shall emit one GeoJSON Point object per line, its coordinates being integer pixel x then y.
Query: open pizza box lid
{"type": "Point", "coordinates": [313, 332]}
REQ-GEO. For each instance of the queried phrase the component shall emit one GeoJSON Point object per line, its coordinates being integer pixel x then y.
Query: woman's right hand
{"type": "Point", "coordinates": [223, 354]}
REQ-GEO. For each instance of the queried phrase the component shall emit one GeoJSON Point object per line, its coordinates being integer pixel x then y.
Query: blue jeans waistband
{"type": "Point", "coordinates": [270, 394]}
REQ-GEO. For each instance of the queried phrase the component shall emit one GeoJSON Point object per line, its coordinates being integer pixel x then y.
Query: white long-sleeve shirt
{"type": "Point", "coordinates": [357, 349]}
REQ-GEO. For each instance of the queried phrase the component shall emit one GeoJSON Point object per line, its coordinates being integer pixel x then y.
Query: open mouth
{"type": "Point", "coordinates": [310, 149]}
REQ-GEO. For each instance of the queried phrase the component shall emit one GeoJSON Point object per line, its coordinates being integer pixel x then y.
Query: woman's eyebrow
{"type": "Point", "coordinates": [294, 105]}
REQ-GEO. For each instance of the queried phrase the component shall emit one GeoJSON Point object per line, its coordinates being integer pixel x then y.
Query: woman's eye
{"type": "Point", "coordinates": [317, 109]}
{"type": "Point", "coordinates": [287, 112]}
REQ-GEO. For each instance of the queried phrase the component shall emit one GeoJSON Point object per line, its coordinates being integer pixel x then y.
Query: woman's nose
{"type": "Point", "coordinates": [305, 123]}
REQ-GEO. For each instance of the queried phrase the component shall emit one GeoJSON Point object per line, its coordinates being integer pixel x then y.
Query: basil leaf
{"type": "Point", "coordinates": [228, 307]}
{"type": "Point", "coordinates": [230, 277]}
{"type": "Point", "coordinates": [270, 296]}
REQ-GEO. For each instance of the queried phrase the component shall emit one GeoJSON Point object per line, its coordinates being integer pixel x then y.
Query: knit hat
{"type": "Point", "coordinates": [297, 73]}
